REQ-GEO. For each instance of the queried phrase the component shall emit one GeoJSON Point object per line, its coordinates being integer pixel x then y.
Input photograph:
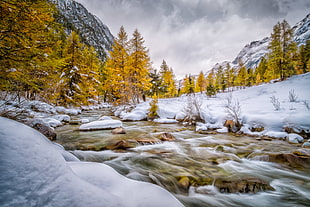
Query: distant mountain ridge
{"type": "Point", "coordinates": [93, 32]}
{"type": "Point", "coordinates": [252, 53]}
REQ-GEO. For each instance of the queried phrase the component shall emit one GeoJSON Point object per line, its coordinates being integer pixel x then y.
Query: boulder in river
{"type": "Point", "coordinates": [42, 127]}
{"type": "Point", "coordinates": [118, 130]}
{"type": "Point", "coordinates": [246, 185]}
{"type": "Point", "coordinates": [101, 125]}
{"type": "Point", "coordinates": [166, 137]}
{"type": "Point", "coordinates": [123, 144]}
{"type": "Point", "coordinates": [232, 126]}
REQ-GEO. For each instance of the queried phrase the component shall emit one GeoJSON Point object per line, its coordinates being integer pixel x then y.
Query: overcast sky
{"type": "Point", "coordinates": [193, 35]}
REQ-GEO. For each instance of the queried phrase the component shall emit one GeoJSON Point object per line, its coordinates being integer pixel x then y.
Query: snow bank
{"type": "Point", "coordinates": [34, 173]}
{"type": "Point", "coordinates": [101, 124]}
{"type": "Point", "coordinates": [256, 108]}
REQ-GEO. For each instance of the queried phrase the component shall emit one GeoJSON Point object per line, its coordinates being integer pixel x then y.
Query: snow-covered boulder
{"type": "Point", "coordinates": [166, 121]}
{"type": "Point", "coordinates": [39, 106]}
{"type": "Point", "coordinates": [135, 115]}
{"type": "Point", "coordinates": [100, 125]}
{"type": "Point", "coordinates": [180, 116]}
{"type": "Point", "coordinates": [71, 111]}
{"type": "Point", "coordinates": [53, 122]}
{"type": "Point", "coordinates": [306, 144]}
{"type": "Point", "coordinates": [84, 121]}
{"type": "Point", "coordinates": [34, 173]}
{"type": "Point", "coordinates": [105, 118]}
{"type": "Point", "coordinates": [294, 138]}
{"type": "Point", "coordinates": [62, 117]}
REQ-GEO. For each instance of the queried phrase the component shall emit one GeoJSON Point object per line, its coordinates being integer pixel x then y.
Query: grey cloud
{"type": "Point", "coordinates": [193, 35]}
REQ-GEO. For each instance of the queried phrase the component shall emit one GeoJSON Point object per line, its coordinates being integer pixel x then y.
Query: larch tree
{"type": "Point", "coordinates": [168, 84]}
{"type": "Point", "coordinates": [91, 77]}
{"type": "Point", "coordinates": [70, 86]}
{"type": "Point", "coordinates": [282, 49]}
{"type": "Point", "coordinates": [26, 31]}
{"type": "Point", "coordinates": [140, 65]}
{"type": "Point", "coordinates": [230, 76]}
{"type": "Point", "coordinates": [201, 83]}
{"type": "Point", "coordinates": [117, 69]}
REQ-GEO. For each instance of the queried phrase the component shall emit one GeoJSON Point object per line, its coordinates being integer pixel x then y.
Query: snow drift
{"type": "Point", "coordinates": [34, 173]}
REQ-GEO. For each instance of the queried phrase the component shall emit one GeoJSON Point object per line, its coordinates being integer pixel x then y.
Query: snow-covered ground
{"type": "Point", "coordinates": [256, 107]}
{"type": "Point", "coordinates": [34, 172]}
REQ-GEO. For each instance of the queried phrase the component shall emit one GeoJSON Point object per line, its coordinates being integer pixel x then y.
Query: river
{"type": "Point", "coordinates": [199, 169]}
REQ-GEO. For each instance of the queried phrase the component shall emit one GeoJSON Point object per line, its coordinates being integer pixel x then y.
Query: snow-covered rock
{"type": "Point", "coordinates": [34, 173]}
{"type": "Point", "coordinates": [84, 121]}
{"type": "Point", "coordinates": [62, 117]}
{"type": "Point", "coordinates": [53, 122]}
{"type": "Point", "coordinates": [165, 121]}
{"type": "Point", "coordinates": [100, 125]}
{"type": "Point", "coordinates": [306, 144]}
{"type": "Point", "coordinates": [135, 115]}
{"type": "Point", "coordinates": [294, 138]}
{"type": "Point", "coordinates": [39, 106]}
{"type": "Point", "coordinates": [71, 111]}
{"type": "Point", "coordinates": [105, 118]}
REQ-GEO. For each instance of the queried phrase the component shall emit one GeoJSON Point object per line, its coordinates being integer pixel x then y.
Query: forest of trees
{"type": "Point", "coordinates": [39, 60]}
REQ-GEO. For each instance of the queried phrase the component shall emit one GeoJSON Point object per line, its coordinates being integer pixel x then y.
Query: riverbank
{"type": "Point", "coordinates": [277, 110]}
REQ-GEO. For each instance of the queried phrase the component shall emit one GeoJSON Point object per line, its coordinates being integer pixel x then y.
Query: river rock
{"type": "Point", "coordinates": [146, 140]}
{"type": "Point", "coordinates": [45, 130]}
{"type": "Point", "coordinates": [246, 185]}
{"type": "Point", "coordinates": [43, 127]}
{"type": "Point", "coordinates": [118, 130]}
{"type": "Point", "coordinates": [166, 137]}
{"type": "Point", "coordinates": [184, 182]}
{"type": "Point", "coordinates": [292, 159]}
{"type": "Point", "coordinates": [123, 144]}
{"type": "Point", "coordinates": [231, 126]}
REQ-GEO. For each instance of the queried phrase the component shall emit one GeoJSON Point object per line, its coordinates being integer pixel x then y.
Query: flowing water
{"type": "Point", "coordinates": [200, 170]}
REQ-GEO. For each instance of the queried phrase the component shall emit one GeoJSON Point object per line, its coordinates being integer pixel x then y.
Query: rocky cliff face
{"type": "Point", "coordinates": [252, 53]}
{"type": "Point", "coordinates": [74, 16]}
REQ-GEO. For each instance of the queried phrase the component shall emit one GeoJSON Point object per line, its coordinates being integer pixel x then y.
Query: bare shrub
{"type": "Point", "coordinates": [292, 96]}
{"type": "Point", "coordinates": [306, 103]}
{"type": "Point", "coordinates": [233, 109]}
{"type": "Point", "coordinates": [193, 110]}
{"type": "Point", "coordinates": [275, 102]}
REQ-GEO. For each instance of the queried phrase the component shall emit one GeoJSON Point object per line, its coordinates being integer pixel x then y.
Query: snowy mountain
{"type": "Point", "coordinates": [252, 53]}
{"type": "Point", "coordinates": [74, 16]}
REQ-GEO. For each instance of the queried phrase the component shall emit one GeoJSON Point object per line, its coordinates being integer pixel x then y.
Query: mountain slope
{"type": "Point", "coordinates": [252, 53]}
{"type": "Point", "coordinates": [74, 16]}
